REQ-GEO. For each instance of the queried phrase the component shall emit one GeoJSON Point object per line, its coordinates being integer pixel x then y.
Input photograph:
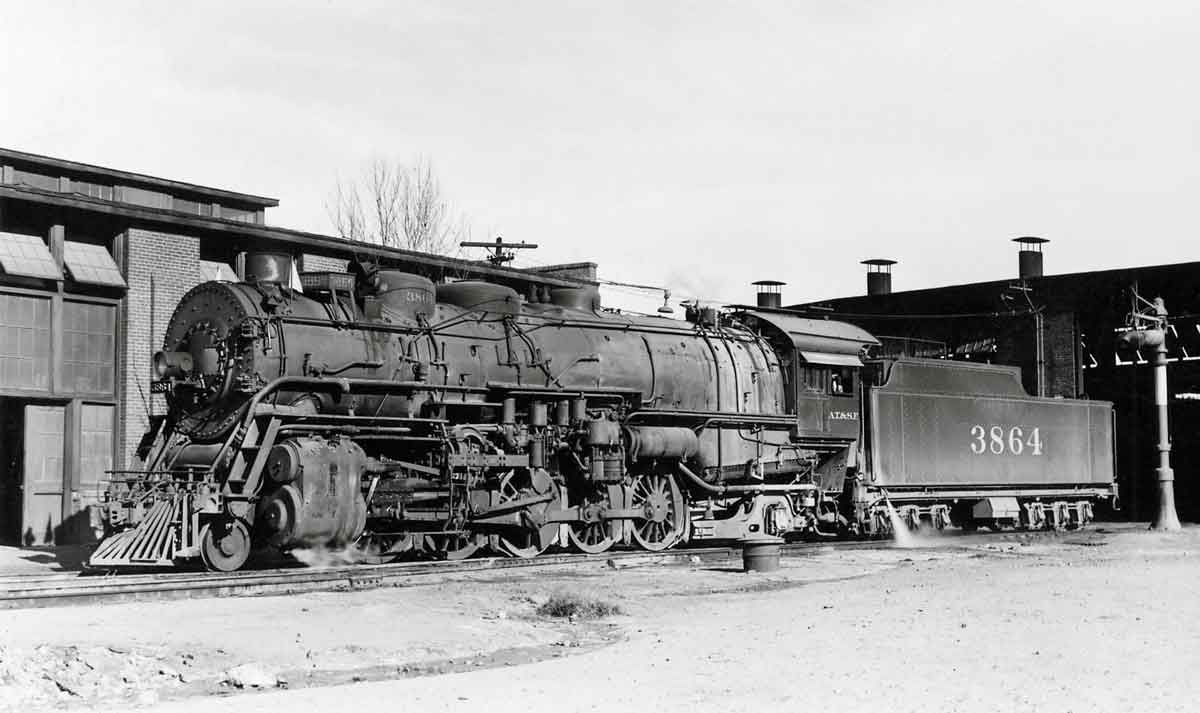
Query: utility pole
{"type": "Point", "coordinates": [1148, 329]}
{"type": "Point", "coordinates": [502, 251]}
{"type": "Point", "coordinates": [1039, 346]}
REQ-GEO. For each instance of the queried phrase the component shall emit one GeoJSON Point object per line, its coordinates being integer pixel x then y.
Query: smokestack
{"type": "Point", "coordinates": [879, 276]}
{"type": "Point", "coordinates": [769, 295]}
{"type": "Point", "coordinates": [1029, 259]}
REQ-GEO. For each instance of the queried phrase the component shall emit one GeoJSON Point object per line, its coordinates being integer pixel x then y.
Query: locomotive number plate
{"type": "Point", "coordinates": [1006, 440]}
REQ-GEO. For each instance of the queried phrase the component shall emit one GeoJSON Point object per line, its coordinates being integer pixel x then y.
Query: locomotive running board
{"type": "Point", "coordinates": [897, 495]}
{"type": "Point", "coordinates": [152, 543]}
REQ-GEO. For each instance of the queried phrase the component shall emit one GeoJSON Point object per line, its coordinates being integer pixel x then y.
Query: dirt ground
{"type": "Point", "coordinates": [1105, 620]}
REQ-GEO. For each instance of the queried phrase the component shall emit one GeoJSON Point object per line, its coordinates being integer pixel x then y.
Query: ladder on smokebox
{"type": "Point", "coordinates": [245, 474]}
{"type": "Point", "coordinates": [171, 527]}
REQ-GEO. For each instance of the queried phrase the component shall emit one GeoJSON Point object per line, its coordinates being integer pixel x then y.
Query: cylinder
{"type": "Point", "coordinates": [323, 505]}
{"type": "Point", "coordinates": [578, 410]}
{"type": "Point", "coordinates": [1029, 264]}
{"type": "Point", "coordinates": [284, 463]}
{"type": "Point", "coordinates": [761, 555]}
{"type": "Point", "coordinates": [562, 413]}
{"type": "Point", "coordinates": [508, 411]}
{"type": "Point", "coordinates": [879, 283]}
{"type": "Point", "coordinates": [603, 433]}
{"type": "Point", "coordinates": [662, 442]}
{"type": "Point", "coordinates": [537, 452]}
{"type": "Point", "coordinates": [537, 414]}
{"type": "Point", "coordinates": [614, 467]}
{"type": "Point", "coordinates": [268, 267]}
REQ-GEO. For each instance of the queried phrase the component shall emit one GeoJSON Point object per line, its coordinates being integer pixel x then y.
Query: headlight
{"type": "Point", "coordinates": [172, 365]}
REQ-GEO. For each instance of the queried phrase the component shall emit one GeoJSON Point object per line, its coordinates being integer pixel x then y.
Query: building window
{"type": "Point", "coordinates": [88, 347]}
{"type": "Point", "coordinates": [91, 264]}
{"type": "Point", "coordinates": [217, 271]}
{"type": "Point", "coordinates": [192, 207]}
{"type": "Point", "coordinates": [239, 215]}
{"type": "Point", "coordinates": [35, 180]}
{"type": "Point", "coordinates": [143, 197]}
{"type": "Point", "coordinates": [27, 256]}
{"type": "Point", "coordinates": [92, 190]}
{"type": "Point", "coordinates": [24, 342]}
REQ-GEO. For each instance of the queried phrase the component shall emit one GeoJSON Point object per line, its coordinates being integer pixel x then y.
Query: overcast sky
{"type": "Point", "coordinates": [698, 146]}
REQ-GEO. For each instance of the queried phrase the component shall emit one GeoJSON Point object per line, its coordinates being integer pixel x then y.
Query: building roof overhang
{"type": "Point", "coordinates": [217, 195]}
{"type": "Point", "coordinates": [252, 235]}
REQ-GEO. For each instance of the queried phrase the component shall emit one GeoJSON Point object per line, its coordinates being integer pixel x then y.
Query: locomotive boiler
{"type": "Point", "coordinates": [380, 410]}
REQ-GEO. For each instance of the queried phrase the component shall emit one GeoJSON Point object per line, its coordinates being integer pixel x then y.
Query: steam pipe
{"type": "Point", "coordinates": [700, 483]}
{"type": "Point", "coordinates": [341, 386]}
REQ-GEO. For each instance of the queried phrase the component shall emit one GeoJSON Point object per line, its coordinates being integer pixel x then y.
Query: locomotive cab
{"type": "Point", "coordinates": [823, 363]}
{"type": "Point", "coordinates": [828, 397]}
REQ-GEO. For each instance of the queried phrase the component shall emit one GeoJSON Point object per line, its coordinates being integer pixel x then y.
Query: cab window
{"type": "Point", "coordinates": [841, 381]}
{"type": "Point", "coordinates": [813, 379]}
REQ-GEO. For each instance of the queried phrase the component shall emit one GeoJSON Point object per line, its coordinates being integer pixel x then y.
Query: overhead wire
{"type": "Point", "coordinates": [631, 288]}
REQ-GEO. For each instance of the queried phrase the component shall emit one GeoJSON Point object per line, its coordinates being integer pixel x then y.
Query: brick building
{"type": "Point", "coordinates": [1062, 331]}
{"type": "Point", "coordinates": [92, 263]}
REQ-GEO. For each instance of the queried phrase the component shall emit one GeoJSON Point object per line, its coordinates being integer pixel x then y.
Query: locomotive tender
{"type": "Point", "coordinates": [382, 410]}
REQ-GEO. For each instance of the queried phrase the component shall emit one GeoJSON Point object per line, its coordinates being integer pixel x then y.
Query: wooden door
{"type": "Point", "coordinates": [43, 502]}
{"type": "Point", "coordinates": [96, 423]}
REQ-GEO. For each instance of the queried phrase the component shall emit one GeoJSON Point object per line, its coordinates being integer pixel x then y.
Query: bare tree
{"type": "Point", "coordinates": [400, 205]}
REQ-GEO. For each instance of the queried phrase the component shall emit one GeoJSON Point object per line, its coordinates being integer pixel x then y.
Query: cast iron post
{"type": "Point", "coordinates": [1150, 330]}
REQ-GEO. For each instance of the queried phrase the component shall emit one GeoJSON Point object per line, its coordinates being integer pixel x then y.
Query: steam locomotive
{"type": "Point", "coordinates": [377, 409]}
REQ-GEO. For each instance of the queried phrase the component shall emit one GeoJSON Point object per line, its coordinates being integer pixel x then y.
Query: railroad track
{"type": "Point", "coordinates": [64, 589]}
{"type": "Point", "coordinates": [21, 592]}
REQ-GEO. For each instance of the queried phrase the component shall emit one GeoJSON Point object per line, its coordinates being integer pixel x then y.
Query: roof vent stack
{"type": "Point", "coordinates": [879, 276]}
{"type": "Point", "coordinates": [1029, 259]}
{"type": "Point", "coordinates": [769, 295]}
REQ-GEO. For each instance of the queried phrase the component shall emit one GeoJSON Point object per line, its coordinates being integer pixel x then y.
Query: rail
{"type": "Point", "coordinates": [47, 590]}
